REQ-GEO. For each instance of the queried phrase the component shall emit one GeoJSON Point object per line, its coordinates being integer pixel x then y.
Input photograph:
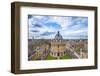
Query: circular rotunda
{"type": "Point", "coordinates": [57, 46]}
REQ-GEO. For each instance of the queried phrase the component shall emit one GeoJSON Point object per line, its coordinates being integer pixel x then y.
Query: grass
{"type": "Point", "coordinates": [49, 57]}
{"type": "Point", "coordinates": [77, 49]}
{"type": "Point", "coordinates": [66, 56]}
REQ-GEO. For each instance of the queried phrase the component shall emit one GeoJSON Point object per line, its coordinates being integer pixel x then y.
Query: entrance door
{"type": "Point", "coordinates": [58, 54]}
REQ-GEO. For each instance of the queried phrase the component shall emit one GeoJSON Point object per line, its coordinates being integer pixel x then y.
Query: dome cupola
{"type": "Point", "coordinates": [58, 36]}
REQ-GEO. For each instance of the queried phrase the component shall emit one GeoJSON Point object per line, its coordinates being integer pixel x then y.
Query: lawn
{"type": "Point", "coordinates": [66, 56]}
{"type": "Point", "coordinates": [77, 49]}
{"type": "Point", "coordinates": [50, 57]}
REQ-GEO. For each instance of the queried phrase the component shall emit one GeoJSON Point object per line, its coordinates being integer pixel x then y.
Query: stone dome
{"type": "Point", "coordinates": [58, 36]}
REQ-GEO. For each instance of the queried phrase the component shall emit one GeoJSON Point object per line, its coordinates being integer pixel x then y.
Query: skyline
{"type": "Point", "coordinates": [46, 27]}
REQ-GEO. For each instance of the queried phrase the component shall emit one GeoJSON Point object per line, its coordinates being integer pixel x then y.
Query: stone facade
{"type": "Point", "coordinates": [57, 46]}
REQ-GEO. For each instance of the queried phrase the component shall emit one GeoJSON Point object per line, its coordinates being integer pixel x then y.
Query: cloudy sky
{"type": "Point", "coordinates": [46, 27]}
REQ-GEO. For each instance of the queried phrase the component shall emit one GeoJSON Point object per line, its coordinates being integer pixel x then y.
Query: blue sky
{"type": "Point", "coordinates": [46, 27]}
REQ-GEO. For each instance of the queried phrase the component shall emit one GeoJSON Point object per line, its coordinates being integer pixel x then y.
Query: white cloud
{"type": "Point", "coordinates": [68, 25]}
{"type": "Point", "coordinates": [64, 22]}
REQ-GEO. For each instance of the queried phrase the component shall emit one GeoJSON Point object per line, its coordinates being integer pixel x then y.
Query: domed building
{"type": "Point", "coordinates": [57, 46]}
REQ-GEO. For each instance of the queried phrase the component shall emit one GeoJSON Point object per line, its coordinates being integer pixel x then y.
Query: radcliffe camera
{"type": "Point", "coordinates": [57, 37]}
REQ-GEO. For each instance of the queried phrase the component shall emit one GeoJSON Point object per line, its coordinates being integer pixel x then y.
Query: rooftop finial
{"type": "Point", "coordinates": [58, 32]}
